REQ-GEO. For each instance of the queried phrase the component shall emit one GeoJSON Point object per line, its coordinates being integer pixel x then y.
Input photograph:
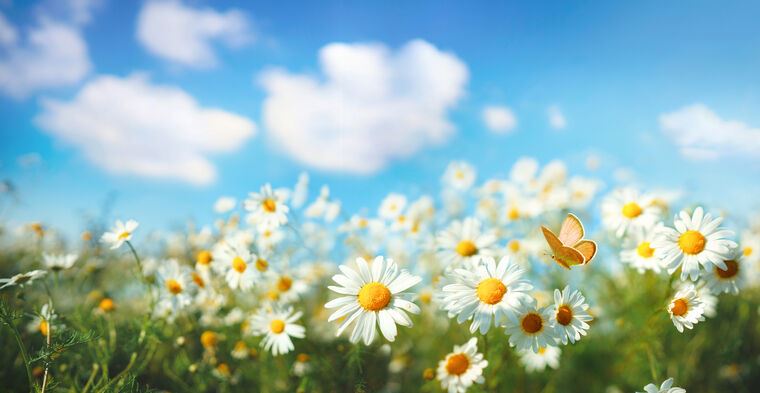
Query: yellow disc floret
{"type": "Point", "coordinates": [491, 290]}
{"type": "Point", "coordinates": [532, 323]}
{"type": "Point", "coordinates": [457, 364]}
{"type": "Point", "coordinates": [277, 326]}
{"type": "Point", "coordinates": [692, 242]}
{"type": "Point", "coordinates": [645, 250]}
{"type": "Point", "coordinates": [374, 296]}
{"type": "Point", "coordinates": [466, 248]}
{"type": "Point", "coordinates": [632, 210]}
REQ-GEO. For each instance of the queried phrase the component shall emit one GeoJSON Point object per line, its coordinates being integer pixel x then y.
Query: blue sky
{"type": "Point", "coordinates": [612, 68]}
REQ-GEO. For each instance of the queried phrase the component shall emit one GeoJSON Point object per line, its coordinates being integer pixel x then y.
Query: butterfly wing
{"type": "Point", "coordinates": [587, 248]}
{"type": "Point", "coordinates": [565, 256]}
{"type": "Point", "coordinates": [571, 231]}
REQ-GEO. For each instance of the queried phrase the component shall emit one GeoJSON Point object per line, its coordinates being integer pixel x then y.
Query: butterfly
{"type": "Point", "coordinates": [570, 249]}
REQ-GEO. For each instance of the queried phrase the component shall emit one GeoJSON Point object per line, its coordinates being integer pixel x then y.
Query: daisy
{"type": "Point", "coordinates": [462, 367]}
{"type": "Point", "coordinates": [686, 308]}
{"type": "Point", "coordinates": [463, 243]}
{"type": "Point", "coordinates": [459, 175]}
{"type": "Point", "coordinates": [22, 279]}
{"type": "Point", "coordinates": [373, 295]}
{"type": "Point", "coordinates": [531, 328]}
{"type": "Point", "coordinates": [121, 232]}
{"type": "Point", "coordinates": [626, 209]}
{"type": "Point", "coordinates": [638, 252]}
{"type": "Point", "coordinates": [323, 207]}
{"type": "Point", "coordinates": [485, 292]}
{"type": "Point", "coordinates": [224, 204]}
{"type": "Point", "coordinates": [268, 207]}
{"type": "Point", "coordinates": [233, 260]}
{"type": "Point", "coordinates": [43, 322]}
{"type": "Point", "coordinates": [60, 262]}
{"type": "Point", "coordinates": [728, 280]}
{"type": "Point", "coordinates": [537, 361]}
{"type": "Point", "coordinates": [286, 287]}
{"type": "Point", "coordinates": [174, 283]}
{"type": "Point", "coordinates": [570, 315]}
{"type": "Point", "coordinates": [392, 206]}
{"type": "Point", "coordinates": [696, 241]}
{"type": "Point", "coordinates": [666, 387]}
{"type": "Point", "coordinates": [277, 326]}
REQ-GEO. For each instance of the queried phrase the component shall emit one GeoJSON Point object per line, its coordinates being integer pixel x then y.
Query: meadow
{"type": "Point", "coordinates": [459, 291]}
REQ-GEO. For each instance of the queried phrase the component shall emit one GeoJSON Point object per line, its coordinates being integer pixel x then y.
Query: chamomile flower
{"type": "Point", "coordinates": [485, 292]}
{"type": "Point", "coordinates": [286, 287]}
{"type": "Point", "coordinates": [626, 209]}
{"type": "Point", "coordinates": [531, 328]}
{"type": "Point", "coordinates": [665, 387]}
{"type": "Point", "coordinates": [374, 294]}
{"type": "Point", "coordinates": [323, 207]}
{"type": "Point", "coordinates": [728, 280]}
{"type": "Point", "coordinates": [22, 279]}
{"type": "Point", "coordinates": [267, 207]}
{"type": "Point", "coordinates": [638, 252]}
{"type": "Point", "coordinates": [570, 315]}
{"type": "Point", "coordinates": [538, 361]}
{"type": "Point", "coordinates": [44, 321]}
{"type": "Point", "coordinates": [459, 175]}
{"type": "Point", "coordinates": [696, 242]}
{"type": "Point", "coordinates": [234, 260]}
{"type": "Point", "coordinates": [464, 243]}
{"type": "Point", "coordinates": [686, 308]}
{"type": "Point", "coordinates": [278, 326]}
{"type": "Point", "coordinates": [392, 206]}
{"type": "Point", "coordinates": [120, 233]}
{"type": "Point", "coordinates": [174, 287]}
{"type": "Point", "coordinates": [58, 262]}
{"type": "Point", "coordinates": [462, 368]}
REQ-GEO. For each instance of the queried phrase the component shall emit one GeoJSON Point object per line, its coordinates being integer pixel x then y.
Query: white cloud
{"type": "Point", "coordinates": [371, 106]}
{"type": "Point", "coordinates": [53, 55]}
{"type": "Point", "coordinates": [701, 134]}
{"type": "Point", "coordinates": [186, 35]}
{"type": "Point", "coordinates": [499, 119]}
{"type": "Point", "coordinates": [130, 126]}
{"type": "Point", "coordinates": [556, 117]}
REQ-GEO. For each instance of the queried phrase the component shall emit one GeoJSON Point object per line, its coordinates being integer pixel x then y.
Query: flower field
{"type": "Point", "coordinates": [534, 281]}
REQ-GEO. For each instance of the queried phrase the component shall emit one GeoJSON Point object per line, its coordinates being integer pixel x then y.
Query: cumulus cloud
{"type": "Point", "coordinates": [131, 126]}
{"type": "Point", "coordinates": [701, 134]}
{"type": "Point", "coordinates": [51, 55]}
{"type": "Point", "coordinates": [371, 105]}
{"type": "Point", "coordinates": [556, 117]}
{"type": "Point", "coordinates": [186, 35]}
{"type": "Point", "coordinates": [499, 119]}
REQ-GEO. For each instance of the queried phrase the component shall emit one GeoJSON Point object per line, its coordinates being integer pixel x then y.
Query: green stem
{"type": "Point", "coordinates": [24, 355]}
{"type": "Point", "coordinates": [137, 259]}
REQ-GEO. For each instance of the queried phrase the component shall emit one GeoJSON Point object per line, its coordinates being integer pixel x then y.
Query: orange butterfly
{"type": "Point", "coordinates": [570, 249]}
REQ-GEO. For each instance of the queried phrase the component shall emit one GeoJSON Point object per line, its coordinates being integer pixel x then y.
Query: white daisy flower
{"type": "Point", "coordinates": [277, 326]}
{"type": "Point", "coordinates": [531, 328]}
{"type": "Point", "coordinates": [485, 292]}
{"type": "Point", "coordinates": [459, 175]}
{"type": "Point", "coordinates": [626, 209]}
{"type": "Point", "coordinates": [373, 295]}
{"type": "Point", "coordinates": [58, 262]}
{"type": "Point", "coordinates": [463, 243]}
{"type": "Point", "coordinates": [300, 190]}
{"type": "Point", "coordinates": [267, 207]}
{"type": "Point", "coordinates": [286, 287]}
{"type": "Point", "coordinates": [570, 315]}
{"type": "Point", "coordinates": [695, 242]}
{"type": "Point", "coordinates": [174, 287]}
{"type": "Point", "coordinates": [638, 252]}
{"type": "Point", "coordinates": [728, 280]}
{"type": "Point", "coordinates": [462, 368]}
{"type": "Point", "coordinates": [538, 361]}
{"type": "Point", "coordinates": [666, 387]}
{"type": "Point", "coordinates": [323, 207]}
{"type": "Point", "coordinates": [233, 260]}
{"type": "Point", "coordinates": [44, 321]}
{"type": "Point", "coordinates": [120, 233]}
{"type": "Point", "coordinates": [224, 204]}
{"type": "Point", "coordinates": [392, 206]}
{"type": "Point", "coordinates": [22, 279]}
{"type": "Point", "coordinates": [686, 308]}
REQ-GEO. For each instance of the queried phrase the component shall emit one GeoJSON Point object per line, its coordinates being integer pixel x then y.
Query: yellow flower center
{"type": "Point", "coordinates": [303, 357]}
{"type": "Point", "coordinates": [284, 283]}
{"type": "Point", "coordinates": [204, 258]}
{"type": "Point", "coordinates": [491, 290]}
{"type": "Point", "coordinates": [513, 213]}
{"type": "Point", "coordinates": [173, 286]}
{"type": "Point", "coordinates": [198, 280]}
{"type": "Point", "coordinates": [209, 339]}
{"type": "Point", "coordinates": [532, 323]}
{"type": "Point", "coordinates": [44, 328]}
{"type": "Point", "coordinates": [692, 242]}
{"type": "Point", "coordinates": [107, 305]}
{"type": "Point", "coordinates": [223, 369]}
{"type": "Point", "coordinates": [124, 235]}
{"type": "Point", "coordinates": [426, 297]}
{"type": "Point", "coordinates": [631, 210]}
{"type": "Point", "coordinates": [374, 296]}
{"type": "Point", "coordinates": [541, 350]}
{"type": "Point", "coordinates": [732, 268]}
{"type": "Point", "coordinates": [428, 374]}
{"type": "Point", "coordinates": [564, 315]}
{"type": "Point", "coordinates": [459, 175]}
{"type": "Point", "coordinates": [747, 251]}
{"type": "Point", "coordinates": [269, 205]}
{"type": "Point", "coordinates": [239, 264]}
{"type": "Point", "coordinates": [466, 248]}
{"type": "Point", "coordinates": [457, 364]}
{"type": "Point", "coordinates": [645, 250]}
{"type": "Point", "coordinates": [514, 245]}
{"type": "Point", "coordinates": [277, 326]}
{"type": "Point", "coordinates": [262, 265]}
{"type": "Point", "coordinates": [679, 307]}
